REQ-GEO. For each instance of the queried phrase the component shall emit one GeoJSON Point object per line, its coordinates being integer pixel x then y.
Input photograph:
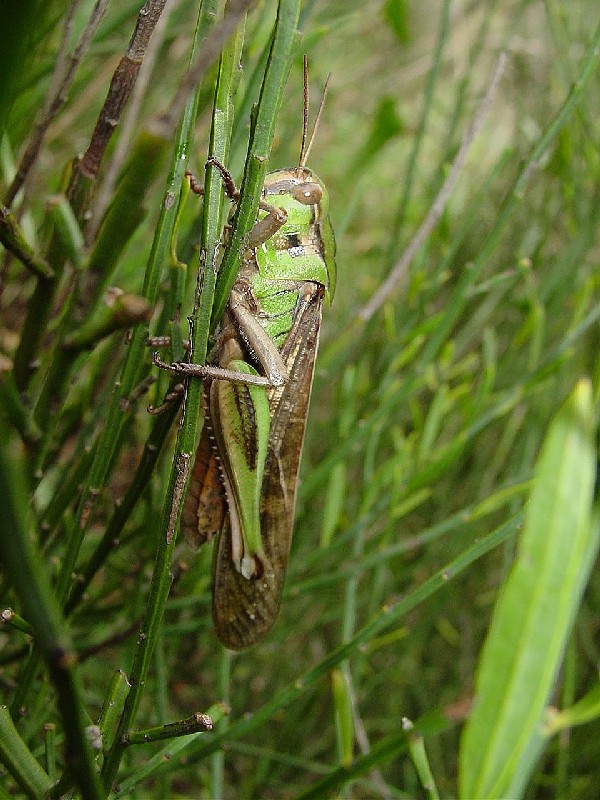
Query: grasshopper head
{"type": "Point", "coordinates": [304, 198]}
{"type": "Point", "coordinates": [300, 188]}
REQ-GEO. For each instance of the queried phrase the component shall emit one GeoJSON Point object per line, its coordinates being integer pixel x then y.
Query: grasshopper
{"type": "Point", "coordinates": [245, 476]}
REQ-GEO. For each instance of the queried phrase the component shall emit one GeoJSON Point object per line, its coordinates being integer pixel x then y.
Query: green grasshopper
{"type": "Point", "coordinates": [245, 476]}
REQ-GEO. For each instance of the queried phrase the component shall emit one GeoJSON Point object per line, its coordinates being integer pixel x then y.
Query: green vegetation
{"type": "Point", "coordinates": [436, 637]}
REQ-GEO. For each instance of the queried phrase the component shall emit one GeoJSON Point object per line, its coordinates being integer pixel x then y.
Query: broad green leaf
{"type": "Point", "coordinates": [535, 610]}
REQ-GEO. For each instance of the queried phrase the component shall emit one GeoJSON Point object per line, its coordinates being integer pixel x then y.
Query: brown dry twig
{"type": "Point", "coordinates": [120, 88]}
{"type": "Point", "coordinates": [62, 79]}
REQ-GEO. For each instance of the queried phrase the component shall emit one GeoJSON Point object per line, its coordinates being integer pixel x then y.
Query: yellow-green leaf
{"type": "Point", "coordinates": [535, 610]}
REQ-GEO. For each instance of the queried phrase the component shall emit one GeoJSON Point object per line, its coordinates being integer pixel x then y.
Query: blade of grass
{"type": "Point", "coordinates": [432, 80]}
{"type": "Point", "coordinates": [30, 580]}
{"type": "Point", "coordinates": [261, 137]}
{"type": "Point", "coordinates": [535, 610]}
{"type": "Point", "coordinates": [188, 431]}
{"type": "Point", "coordinates": [18, 759]}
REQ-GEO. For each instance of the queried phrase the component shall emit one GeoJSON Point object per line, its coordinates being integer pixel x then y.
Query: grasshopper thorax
{"type": "Point", "coordinates": [303, 247]}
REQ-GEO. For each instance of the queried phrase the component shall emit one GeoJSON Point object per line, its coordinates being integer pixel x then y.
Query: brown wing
{"type": "Point", "coordinates": [244, 610]}
{"type": "Point", "coordinates": [204, 505]}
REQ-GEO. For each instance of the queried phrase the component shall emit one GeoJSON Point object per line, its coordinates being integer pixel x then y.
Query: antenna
{"type": "Point", "coordinates": [304, 150]}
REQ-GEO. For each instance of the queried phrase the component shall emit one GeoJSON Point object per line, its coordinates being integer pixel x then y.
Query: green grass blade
{"type": "Point", "coordinates": [18, 759]}
{"type": "Point", "coordinates": [261, 138]}
{"type": "Point", "coordinates": [585, 710]}
{"type": "Point", "coordinates": [535, 611]}
{"type": "Point", "coordinates": [24, 565]}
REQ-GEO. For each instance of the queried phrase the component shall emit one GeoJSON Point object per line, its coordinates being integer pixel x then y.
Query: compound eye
{"type": "Point", "coordinates": [307, 193]}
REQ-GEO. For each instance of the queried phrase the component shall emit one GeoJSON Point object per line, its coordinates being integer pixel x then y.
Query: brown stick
{"type": "Point", "coordinates": [61, 82]}
{"type": "Point", "coordinates": [120, 88]}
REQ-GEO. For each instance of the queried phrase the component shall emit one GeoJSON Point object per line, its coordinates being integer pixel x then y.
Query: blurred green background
{"type": "Point", "coordinates": [426, 418]}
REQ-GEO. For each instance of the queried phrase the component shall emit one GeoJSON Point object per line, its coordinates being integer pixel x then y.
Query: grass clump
{"type": "Point", "coordinates": [436, 597]}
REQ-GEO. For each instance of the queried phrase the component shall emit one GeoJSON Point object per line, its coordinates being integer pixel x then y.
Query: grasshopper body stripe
{"type": "Point", "coordinates": [240, 416]}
